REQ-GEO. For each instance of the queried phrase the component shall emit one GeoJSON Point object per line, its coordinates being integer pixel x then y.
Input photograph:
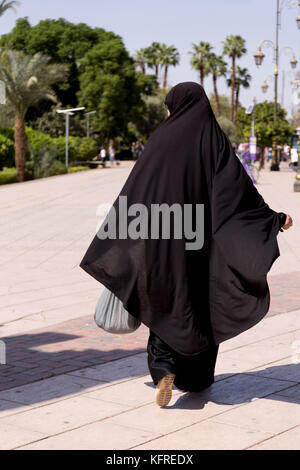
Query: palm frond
{"type": "Point", "coordinates": [5, 6]}
{"type": "Point", "coordinates": [28, 79]}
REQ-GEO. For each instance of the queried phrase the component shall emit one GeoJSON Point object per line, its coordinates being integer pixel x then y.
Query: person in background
{"type": "Point", "coordinates": [103, 155]}
{"type": "Point", "coordinates": [112, 155]}
{"type": "Point", "coordinates": [140, 149]}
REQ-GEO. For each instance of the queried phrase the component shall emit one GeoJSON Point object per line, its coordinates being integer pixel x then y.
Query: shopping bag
{"type": "Point", "coordinates": [111, 316]}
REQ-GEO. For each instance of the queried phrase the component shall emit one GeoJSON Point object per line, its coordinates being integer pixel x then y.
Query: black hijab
{"type": "Point", "coordinates": [192, 299]}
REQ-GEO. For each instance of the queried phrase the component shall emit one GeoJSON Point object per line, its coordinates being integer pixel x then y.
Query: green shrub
{"type": "Point", "coordinates": [45, 155]}
{"type": "Point", "coordinates": [76, 169]}
{"type": "Point", "coordinates": [7, 149]}
{"type": "Point", "coordinates": [44, 161]}
{"type": "Point", "coordinates": [87, 149]}
{"type": "Point", "coordinates": [8, 176]}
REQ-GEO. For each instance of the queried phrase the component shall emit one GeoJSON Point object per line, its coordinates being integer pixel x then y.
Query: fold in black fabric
{"type": "Point", "coordinates": [192, 299]}
{"type": "Point", "coordinates": [192, 373]}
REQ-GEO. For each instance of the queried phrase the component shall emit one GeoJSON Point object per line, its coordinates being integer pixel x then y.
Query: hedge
{"type": "Point", "coordinates": [80, 149]}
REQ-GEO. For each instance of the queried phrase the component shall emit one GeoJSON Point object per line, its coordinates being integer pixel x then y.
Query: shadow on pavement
{"type": "Point", "coordinates": [37, 365]}
{"type": "Point", "coordinates": [280, 383]}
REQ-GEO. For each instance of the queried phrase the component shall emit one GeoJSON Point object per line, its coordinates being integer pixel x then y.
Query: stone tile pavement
{"type": "Point", "coordinates": [68, 385]}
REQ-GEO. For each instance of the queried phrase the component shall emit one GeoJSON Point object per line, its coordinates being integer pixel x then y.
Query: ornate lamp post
{"type": "Point", "coordinates": [259, 57]}
{"type": "Point", "coordinates": [298, 17]}
{"type": "Point", "coordinates": [265, 85]}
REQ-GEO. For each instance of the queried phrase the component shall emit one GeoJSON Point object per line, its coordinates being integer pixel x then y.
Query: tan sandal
{"type": "Point", "coordinates": [163, 392]}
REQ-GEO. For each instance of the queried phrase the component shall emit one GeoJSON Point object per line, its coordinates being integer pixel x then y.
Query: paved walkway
{"type": "Point", "coordinates": [68, 385]}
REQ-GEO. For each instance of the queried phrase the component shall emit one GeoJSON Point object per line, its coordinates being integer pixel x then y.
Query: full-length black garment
{"type": "Point", "coordinates": [193, 300]}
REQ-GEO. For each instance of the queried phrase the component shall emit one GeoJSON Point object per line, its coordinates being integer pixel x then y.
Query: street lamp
{"type": "Point", "coordinates": [258, 57]}
{"type": "Point", "coordinates": [298, 17]}
{"type": "Point", "coordinates": [265, 85]}
{"type": "Point", "coordinates": [294, 62]}
{"type": "Point", "coordinates": [88, 115]}
{"type": "Point", "coordinates": [68, 113]}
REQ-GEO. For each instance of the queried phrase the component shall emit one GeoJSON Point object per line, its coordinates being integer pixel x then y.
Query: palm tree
{"type": "Point", "coordinates": [169, 56]}
{"type": "Point", "coordinates": [141, 58]}
{"type": "Point", "coordinates": [5, 5]}
{"type": "Point", "coordinates": [234, 47]}
{"type": "Point", "coordinates": [199, 60]}
{"type": "Point", "coordinates": [28, 80]}
{"type": "Point", "coordinates": [242, 79]}
{"type": "Point", "coordinates": [153, 54]}
{"type": "Point", "coordinates": [217, 67]}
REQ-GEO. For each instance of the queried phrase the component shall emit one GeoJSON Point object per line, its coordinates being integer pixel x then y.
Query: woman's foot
{"type": "Point", "coordinates": [163, 392]}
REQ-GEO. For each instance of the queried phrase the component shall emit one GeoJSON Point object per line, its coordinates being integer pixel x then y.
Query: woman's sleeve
{"type": "Point", "coordinates": [243, 225]}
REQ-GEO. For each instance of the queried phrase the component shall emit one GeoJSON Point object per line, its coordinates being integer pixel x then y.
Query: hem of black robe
{"type": "Point", "coordinates": [217, 340]}
{"type": "Point", "coordinates": [185, 389]}
{"type": "Point", "coordinates": [106, 284]}
{"type": "Point", "coordinates": [222, 338]}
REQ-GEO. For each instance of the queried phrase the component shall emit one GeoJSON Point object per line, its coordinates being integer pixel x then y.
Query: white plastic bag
{"type": "Point", "coordinates": [111, 316]}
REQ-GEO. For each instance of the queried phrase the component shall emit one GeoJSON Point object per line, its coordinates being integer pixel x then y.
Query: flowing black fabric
{"type": "Point", "coordinates": [192, 299]}
{"type": "Point", "coordinates": [192, 373]}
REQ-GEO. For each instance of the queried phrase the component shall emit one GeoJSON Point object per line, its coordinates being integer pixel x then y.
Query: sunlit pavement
{"type": "Point", "coordinates": [67, 385]}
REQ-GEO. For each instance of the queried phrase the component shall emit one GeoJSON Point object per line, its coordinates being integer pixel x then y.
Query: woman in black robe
{"type": "Point", "coordinates": [191, 299]}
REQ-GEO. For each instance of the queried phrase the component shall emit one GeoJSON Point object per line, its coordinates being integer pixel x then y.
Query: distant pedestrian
{"type": "Point", "coordinates": [140, 149]}
{"type": "Point", "coordinates": [112, 155]}
{"type": "Point", "coordinates": [103, 155]}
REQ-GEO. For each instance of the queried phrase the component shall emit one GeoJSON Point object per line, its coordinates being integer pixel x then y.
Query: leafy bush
{"type": "Point", "coordinates": [229, 128]}
{"type": "Point", "coordinates": [46, 155]}
{"type": "Point", "coordinates": [7, 149]}
{"type": "Point", "coordinates": [76, 169]}
{"type": "Point", "coordinates": [87, 149]}
{"type": "Point", "coordinates": [8, 176]}
{"type": "Point", "coordinates": [44, 161]}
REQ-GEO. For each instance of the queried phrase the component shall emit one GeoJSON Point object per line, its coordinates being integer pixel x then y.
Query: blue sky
{"type": "Point", "coordinates": [182, 22]}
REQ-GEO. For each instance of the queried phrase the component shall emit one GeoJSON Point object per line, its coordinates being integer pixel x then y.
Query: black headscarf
{"type": "Point", "coordinates": [191, 299]}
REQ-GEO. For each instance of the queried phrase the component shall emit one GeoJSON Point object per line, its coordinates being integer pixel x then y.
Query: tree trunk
{"type": "Point", "coordinates": [20, 147]}
{"type": "Point", "coordinates": [236, 100]}
{"type": "Point", "coordinates": [202, 76]}
{"type": "Point", "coordinates": [166, 77]}
{"type": "Point", "coordinates": [262, 158]}
{"type": "Point", "coordinates": [216, 95]}
{"type": "Point", "coordinates": [233, 88]}
{"type": "Point", "coordinates": [143, 68]}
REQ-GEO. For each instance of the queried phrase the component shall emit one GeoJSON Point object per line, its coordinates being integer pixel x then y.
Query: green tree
{"type": "Point", "coordinates": [267, 130]}
{"type": "Point", "coordinates": [229, 128]}
{"type": "Point", "coordinates": [63, 42]}
{"type": "Point", "coordinates": [234, 47]}
{"type": "Point", "coordinates": [154, 113]}
{"type": "Point", "coordinates": [28, 80]}
{"type": "Point", "coordinates": [109, 84]}
{"type": "Point", "coordinates": [200, 59]}
{"type": "Point", "coordinates": [141, 58]}
{"type": "Point", "coordinates": [53, 124]}
{"type": "Point", "coordinates": [218, 68]}
{"type": "Point", "coordinates": [224, 105]}
{"type": "Point", "coordinates": [169, 56]}
{"type": "Point", "coordinates": [153, 54]}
